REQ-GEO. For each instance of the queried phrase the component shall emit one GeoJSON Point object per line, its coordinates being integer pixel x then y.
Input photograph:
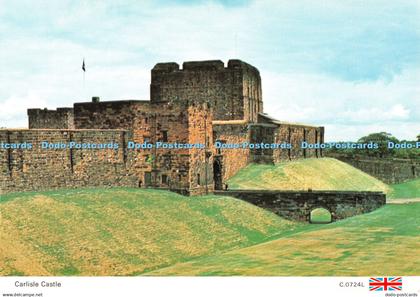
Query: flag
{"type": "Point", "coordinates": [385, 284]}
{"type": "Point", "coordinates": [83, 66]}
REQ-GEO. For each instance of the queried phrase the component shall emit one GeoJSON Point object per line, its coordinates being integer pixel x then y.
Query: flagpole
{"type": "Point", "coordinates": [236, 46]}
{"type": "Point", "coordinates": [84, 78]}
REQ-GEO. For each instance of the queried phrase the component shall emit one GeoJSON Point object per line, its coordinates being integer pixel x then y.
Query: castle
{"type": "Point", "coordinates": [204, 102]}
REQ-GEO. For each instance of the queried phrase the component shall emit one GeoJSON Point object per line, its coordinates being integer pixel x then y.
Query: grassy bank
{"type": "Point", "coordinates": [384, 242]}
{"type": "Point", "coordinates": [316, 174]}
{"type": "Point", "coordinates": [410, 189]}
{"type": "Point", "coordinates": [123, 231]}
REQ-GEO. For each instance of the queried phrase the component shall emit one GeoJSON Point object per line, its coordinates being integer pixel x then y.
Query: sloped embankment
{"type": "Point", "coordinates": [315, 174]}
{"type": "Point", "coordinates": [123, 231]}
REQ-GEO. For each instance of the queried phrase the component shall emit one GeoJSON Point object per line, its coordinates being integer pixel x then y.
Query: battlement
{"type": "Point", "coordinates": [111, 103]}
{"type": "Point", "coordinates": [239, 64]}
{"type": "Point", "coordinates": [46, 110]}
{"type": "Point", "coordinates": [211, 65]}
{"type": "Point", "coordinates": [207, 65]}
{"type": "Point", "coordinates": [61, 118]}
{"type": "Point", "coordinates": [166, 67]}
{"type": "Point", "coordinates": [234, 91]}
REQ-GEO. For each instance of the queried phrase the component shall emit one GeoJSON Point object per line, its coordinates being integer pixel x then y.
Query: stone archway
{"type": "Point", "coordinates": [320, 215]}
{"type": "Point", "coordinates": [217, 174]}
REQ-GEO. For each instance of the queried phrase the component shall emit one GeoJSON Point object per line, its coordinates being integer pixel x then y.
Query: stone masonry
{"type": "Point", "coordinates": [62, 118]}
{"type": "Point", "coordinates": [388, 170]}
{"type": "Point", "coordinates": [297, 205]}
{"type": "Point", "coordinates": [202, 102]}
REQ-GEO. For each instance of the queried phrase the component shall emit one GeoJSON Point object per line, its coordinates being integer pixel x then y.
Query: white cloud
{"type": "Point", "coordinates": [298, 46]}
{"type": "Point", "coordinates": [338, 132]}
{"type": "Point", "coordinates": [355, 108]}
{"type": "Point", "coordinates": [378, 114]}
{"type": "Point", "coordinates": [13, 109]}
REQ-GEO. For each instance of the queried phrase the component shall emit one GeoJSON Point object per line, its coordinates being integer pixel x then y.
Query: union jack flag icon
{"type": "Point", "coordinates": [385, 284]}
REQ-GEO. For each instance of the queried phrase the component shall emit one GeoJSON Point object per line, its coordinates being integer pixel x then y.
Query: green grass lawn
{"type": "Point", "coordinates": [320, 215]}
{"type": "Point", "coordinates": [139, 231]}
{"type": "Point", "coordinates": [304, 174]}
{"type": "Point", "coordinates": [123, 231]}
{"type": "Point", "coordinates": [410, 189]}
{"type": "Point", "coordinates": [384, 242]}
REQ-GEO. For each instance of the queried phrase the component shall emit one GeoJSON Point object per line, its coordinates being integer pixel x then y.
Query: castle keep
{"type": "Point", "coordinates": [202, 102]}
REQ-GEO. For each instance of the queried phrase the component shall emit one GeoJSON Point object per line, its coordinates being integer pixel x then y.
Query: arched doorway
{"type": "Point", "coordinates": [217, 174]}
{"type": "Point", "coordinates": [320, 215]}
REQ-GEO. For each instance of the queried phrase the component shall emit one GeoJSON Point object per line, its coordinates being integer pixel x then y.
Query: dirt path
{"type": "Point", "coordinates": [403, 201]}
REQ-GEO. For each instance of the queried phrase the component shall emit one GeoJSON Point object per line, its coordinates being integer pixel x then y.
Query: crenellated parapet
{"type": "Point", "coordinates": [61, 118]}
{"type": "Point", "coordinates": [234, 91]}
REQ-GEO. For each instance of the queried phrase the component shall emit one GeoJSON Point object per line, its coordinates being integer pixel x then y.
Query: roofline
{"type": "Point", "coordinates": [275, 121]}
{"type": "Point", "coordinates": [59, 130]}
{"type": "Point", "coordinates": [115, 101]}
{"type": "Point", "coordinates": [230, 122]}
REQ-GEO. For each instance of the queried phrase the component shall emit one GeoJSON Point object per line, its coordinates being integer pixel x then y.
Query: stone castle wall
{"type": "Point", "coordinates": [200, 130]}
{"type": "Point", "coordinates": [171, 122]}
{"type": "Point", "coordinates": [232, 132]}
{"type": "Point", "coordinates": [295, 134]}
{"type": "Point", "coordinates": [201, 103]}
{"type": "Point", "coordinates": [184, 170]}
{"type": "Point", "coordinates": [108, 114]}
{"type": "Point", "coordinates": [240, 131]}
{"type": "Point", "coordinates": [41, 169]}
{"type": "Point", "coordinates": [262, 133]}
{"type": "Point", "coordinates": [390, 171]}
{"type": "Point", "coordinates": [62, 118]}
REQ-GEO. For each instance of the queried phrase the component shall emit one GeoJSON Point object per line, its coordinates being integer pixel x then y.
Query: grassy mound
{"type": "Point", "coordinates": [123, 231]}
{"type": "Point", "coordinates": [316, 174]}
{"type": "Point", "coordinates": [383, 242]}
{"type": "Point", "coordinates": [410, 189]}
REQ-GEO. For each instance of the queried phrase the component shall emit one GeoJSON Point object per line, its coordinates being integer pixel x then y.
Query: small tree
{"type": "Point", "coordinates": [382, 139]}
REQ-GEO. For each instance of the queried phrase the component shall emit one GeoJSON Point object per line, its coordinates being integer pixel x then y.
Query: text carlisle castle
{"type": "Point", "coordinates": [202, 103]}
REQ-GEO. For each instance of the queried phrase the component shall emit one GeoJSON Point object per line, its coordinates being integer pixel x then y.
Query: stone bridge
{"type": "Point", "coordinates": [295, 205]}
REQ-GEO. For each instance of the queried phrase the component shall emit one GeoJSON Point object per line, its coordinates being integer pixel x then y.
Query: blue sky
{"type": "Point", "coordinates": [352, 66]}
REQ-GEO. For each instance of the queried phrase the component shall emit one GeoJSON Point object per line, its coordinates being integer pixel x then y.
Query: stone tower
{"type": "Point", "coordinates": [234, 92]}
